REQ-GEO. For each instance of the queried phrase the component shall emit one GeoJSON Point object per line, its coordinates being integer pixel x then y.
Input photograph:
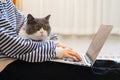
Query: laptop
{"type": "Point", "coordinates": [96, 45]}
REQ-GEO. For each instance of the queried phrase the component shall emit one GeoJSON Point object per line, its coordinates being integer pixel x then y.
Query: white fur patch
{"type": "Point", "coordinates": [39, 35]}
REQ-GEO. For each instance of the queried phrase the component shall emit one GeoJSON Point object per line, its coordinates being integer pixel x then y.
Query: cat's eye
{"type": "Point", "coordinates": [36, 27]}
{"type": "Point", "coordinates": [45, 27]}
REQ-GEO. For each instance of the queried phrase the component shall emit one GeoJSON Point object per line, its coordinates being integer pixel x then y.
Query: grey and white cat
{"type": "Point", "coordinates": [37, 29]}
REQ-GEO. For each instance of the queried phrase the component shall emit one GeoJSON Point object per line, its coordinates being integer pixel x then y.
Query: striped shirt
{"type": "Point", "coordinates": [13, 46]}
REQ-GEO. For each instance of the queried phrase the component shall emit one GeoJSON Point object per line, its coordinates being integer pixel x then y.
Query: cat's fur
{"type": "Point", "coordinates": [36, 28]}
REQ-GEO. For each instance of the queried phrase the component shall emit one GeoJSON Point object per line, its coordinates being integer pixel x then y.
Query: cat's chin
{"type": "Point", "coordinates": [41, 38]}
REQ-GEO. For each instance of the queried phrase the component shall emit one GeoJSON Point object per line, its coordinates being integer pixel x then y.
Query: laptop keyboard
{"type": "Point", "coordinates": [84, 62]}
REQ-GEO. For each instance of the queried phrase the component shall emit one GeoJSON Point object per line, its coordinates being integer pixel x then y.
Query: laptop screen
{"type": "Point", "coordinates": [98, 41]}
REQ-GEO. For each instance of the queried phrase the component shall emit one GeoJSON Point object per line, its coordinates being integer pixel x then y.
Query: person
{"type": "Point", "coordinates": [24, 59]}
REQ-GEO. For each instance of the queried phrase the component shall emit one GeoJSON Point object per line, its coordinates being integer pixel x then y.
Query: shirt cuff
{"type": "Point", "coordinates": [59, 52]}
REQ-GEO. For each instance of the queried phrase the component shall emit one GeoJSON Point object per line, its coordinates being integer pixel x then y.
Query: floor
{"type": "Point", "coordinates": [110, 50]}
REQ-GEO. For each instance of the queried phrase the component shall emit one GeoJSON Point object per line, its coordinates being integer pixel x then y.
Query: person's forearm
{"type": "Point", "coordinates": [26, 50]}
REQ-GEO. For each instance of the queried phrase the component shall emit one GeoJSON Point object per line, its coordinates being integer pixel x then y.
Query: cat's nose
{"type": "Point", "coordinates": [41, 31]}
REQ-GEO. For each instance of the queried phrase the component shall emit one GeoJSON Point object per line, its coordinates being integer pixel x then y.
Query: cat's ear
{"type": "Point", "coordinates": [47, 17]}
{"type": "Point", "coordinates": [30, 17]}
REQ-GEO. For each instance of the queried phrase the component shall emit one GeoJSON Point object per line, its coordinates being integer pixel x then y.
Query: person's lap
{"type": "Point", "coordinates": [20, 70]}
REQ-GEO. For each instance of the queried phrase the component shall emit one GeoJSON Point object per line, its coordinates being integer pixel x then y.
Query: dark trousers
{"type": "Point", "coordinates": [20, 70]}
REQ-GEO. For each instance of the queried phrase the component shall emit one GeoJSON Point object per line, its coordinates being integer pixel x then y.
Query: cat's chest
{"type": "Point", "coordinates": [22, 33]}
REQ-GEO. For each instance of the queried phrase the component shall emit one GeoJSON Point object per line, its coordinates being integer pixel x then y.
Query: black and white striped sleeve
{"type": "Point", "coordinates": [24, 49]}
{"type": "Point", "coordinates": [16, 47]}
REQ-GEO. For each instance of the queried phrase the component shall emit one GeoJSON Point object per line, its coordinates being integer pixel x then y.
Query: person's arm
{"type": "Point", "coordinates": [26, 50]}
{"type": "Point", "coordinates": [16, 47]}
{"type": "Point", "coordinates": [18, 19]}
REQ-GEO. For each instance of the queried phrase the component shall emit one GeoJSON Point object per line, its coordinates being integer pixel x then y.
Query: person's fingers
{"type": "Point", "coordinates": [76, 55]}
{"type": "Point", "coordinates": [63, 46]}
{"type": "Point", "coordinates": [66, 47]}
{"type": "Point", "coordinates": [70, 54]}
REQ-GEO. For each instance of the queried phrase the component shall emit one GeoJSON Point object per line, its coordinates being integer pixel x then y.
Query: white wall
{"type": "Point", "coordinates": [76, 16]}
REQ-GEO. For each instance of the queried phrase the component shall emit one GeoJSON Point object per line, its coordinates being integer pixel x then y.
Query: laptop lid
{"type": "Point", "coordinates": [98, 42]}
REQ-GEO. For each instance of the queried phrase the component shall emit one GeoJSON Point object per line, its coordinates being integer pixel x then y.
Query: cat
{"type": "Point", "coordinates": [37, 29]}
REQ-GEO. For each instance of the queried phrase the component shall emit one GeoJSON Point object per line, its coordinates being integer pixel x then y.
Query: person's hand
{"type": "Point", "coordinates": [67, 53]}
{"type": "Point", "coordinates": [58, 44]}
